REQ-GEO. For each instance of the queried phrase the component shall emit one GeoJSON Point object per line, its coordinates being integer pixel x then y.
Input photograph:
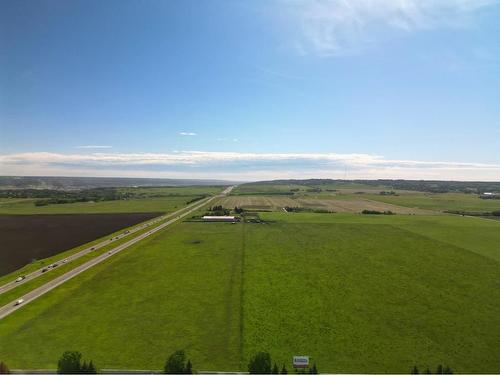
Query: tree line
{"type": "Point", "coordinates": [439, 370]}
{"type": "Point", "coordinates": [178, 363]}
{"type": "Point", "coordinates": [261, 363]}
{"type": "Point", "coordinates": [375, 212]}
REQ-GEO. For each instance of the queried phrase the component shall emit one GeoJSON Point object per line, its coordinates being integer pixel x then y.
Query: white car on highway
{"type": "Point", "coordinates": [18, 302]}
{"type": "Point", "coordinates": [20, 278]}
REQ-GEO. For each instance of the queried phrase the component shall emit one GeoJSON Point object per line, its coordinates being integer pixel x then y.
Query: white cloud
{"type": "Point", "coordinates": [93, 146]}
{"type": "Point", "coordinates": [187, 133]}
{"type": "Point", "coordinates": [241, 166]}
{"type": "Point", "coordinates": [339, 27]}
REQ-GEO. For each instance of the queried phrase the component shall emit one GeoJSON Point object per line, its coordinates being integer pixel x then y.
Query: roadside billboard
{"type": "Point", "coordinates": [300, 361]}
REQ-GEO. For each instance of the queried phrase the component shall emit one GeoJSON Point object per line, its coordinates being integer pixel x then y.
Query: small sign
{"type": "Point", "coordinates": [300, 361]}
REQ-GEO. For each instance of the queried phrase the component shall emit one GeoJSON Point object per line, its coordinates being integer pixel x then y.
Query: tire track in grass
{"type": "Point", "coordinates": [242, 292]}
{"type": "Point", "coordinates": [232, 309]}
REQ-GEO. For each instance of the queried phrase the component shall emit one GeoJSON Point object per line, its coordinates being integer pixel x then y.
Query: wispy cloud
{"type": "Point", "coordinates": [93, 146]}
{"type": "Point", "coordinates": [339, 27]}
{"type": "Point", "coordinates": [187, 134]}
{"type": "Point", "coordinates": [243, 166]}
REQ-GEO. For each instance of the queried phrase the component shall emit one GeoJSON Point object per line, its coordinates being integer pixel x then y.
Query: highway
{"type": "Point", "coordinates": [30, 276]}
{"type": "Point", "coordinates": [12, 284]}
{"type": "Point", "coordinates": [34, 294]}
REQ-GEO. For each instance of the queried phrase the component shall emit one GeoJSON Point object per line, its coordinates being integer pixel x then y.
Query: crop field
{"type": "Point", "coordinates": [291, 188]}
{"type": "Point", "coordinates": [30, 237]}
{"type": "Point", "coordinates": [257, 202]}
{"type": "Point", "coordinates": [342, 203]}
{"type": "Point", "coordinates": [441, 201]}
{"type": "Point", "coordinates": [262, 188]}
{"type": "Point", "coordinates": [356, 205]}
{"type": "Point", "coordinates": [355, 292]}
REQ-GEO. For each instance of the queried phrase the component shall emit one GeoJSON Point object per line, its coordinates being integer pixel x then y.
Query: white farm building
{"type": "Point", "coordinates": [231, 219]}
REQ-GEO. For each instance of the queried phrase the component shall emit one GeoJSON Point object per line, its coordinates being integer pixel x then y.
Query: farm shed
{"type": "Point", "coordinates": [219, 218]}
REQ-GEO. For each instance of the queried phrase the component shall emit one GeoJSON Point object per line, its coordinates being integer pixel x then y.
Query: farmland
{"type": "Point", "coordinates": [141, 199]}
{"type": "Point", "coordinates": [31, 232]}
{"type": "Point", "coordinates": [30, 237]}
{"type": "Point", "coordinates": [356, 197]}
{"type": "Point", "coordinates": [441, 201]}
{"type": "Point", "coordinates": [341, 203]}
{"type": "Point", "coordinates": [357, 293]}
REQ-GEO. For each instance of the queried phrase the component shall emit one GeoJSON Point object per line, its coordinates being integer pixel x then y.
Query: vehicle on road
{"type": "Point", "coordinates": [18, 302]}
{"type": "Point", "coordinates": [65, 260]}
{"type": "Point", "coordinates": [45, 269]}
{"type": "Point", "coordinates": [20, 278]}
{"type": "Point", "coordinates": [92, 248]}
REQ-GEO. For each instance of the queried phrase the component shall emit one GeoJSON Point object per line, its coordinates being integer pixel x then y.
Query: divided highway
{"type": "Point", "coordinates": [32, 275]}
{"type": "Point", "coordinates": [28, 297]}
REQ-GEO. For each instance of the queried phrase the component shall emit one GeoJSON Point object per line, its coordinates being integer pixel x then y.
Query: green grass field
{"type": "Point", "coordinates": [185, 294]}
{"type": "Point", "coordinates": [145, 199]}
{"type": "Point", "coordinates": [172, 190]}
{"type": "Point", "coordinates": [357, 293]}
{"type": "Point", "coordinates": [30, 285]}
{"type": "Point", "coordinates": [164, 204]}
{"type": "Point", "coordinates": [440, 201]}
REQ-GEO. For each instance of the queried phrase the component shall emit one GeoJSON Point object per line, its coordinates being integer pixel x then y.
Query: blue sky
{"type": "Point", "coordinates": [251, 90]}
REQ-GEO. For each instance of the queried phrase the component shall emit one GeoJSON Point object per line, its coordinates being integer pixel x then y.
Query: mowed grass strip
{"type": "Point", "coordinates": [368, 298]}
{"type": "Point", "coordinates": [177, 289]}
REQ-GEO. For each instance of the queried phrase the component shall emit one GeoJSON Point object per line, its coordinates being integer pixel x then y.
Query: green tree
{"type": "Point", "coordinates": [427, 371]}
{"type": "Point", "coordinates": [414, 370]}
{"type": "Point", "coordinates": [283, 370]}
{"type": "Point", "coordinates": [439, 369]}
{"type": "Point", "coordinates": [69, 363]}
{"type": "Point", "coordinates": [84, 369]}
{"type": "Point", "coordinates": [176, 363]}
{"type": "Point", "coordinates": [189, 368]}
{"type": "Point", "coordinates": [275, 369]}
{"type": "Point", "coordinates": [313, 370]}
{"type": "Point", "coordinates": [447, 370]}
{"type": "Point", "coordinates": [260, 364]}
{"type": "Point", "coordinates": [3, 368]}
{"type": "Point", "coordinates": [91, 369]}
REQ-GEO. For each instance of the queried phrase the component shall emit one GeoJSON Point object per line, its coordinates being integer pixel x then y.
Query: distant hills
{"type": "Point", "coordinates": [76, 183]}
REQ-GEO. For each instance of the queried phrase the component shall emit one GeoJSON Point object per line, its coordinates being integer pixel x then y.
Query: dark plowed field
{"type": "Point", "coordinates": [27, 237]}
